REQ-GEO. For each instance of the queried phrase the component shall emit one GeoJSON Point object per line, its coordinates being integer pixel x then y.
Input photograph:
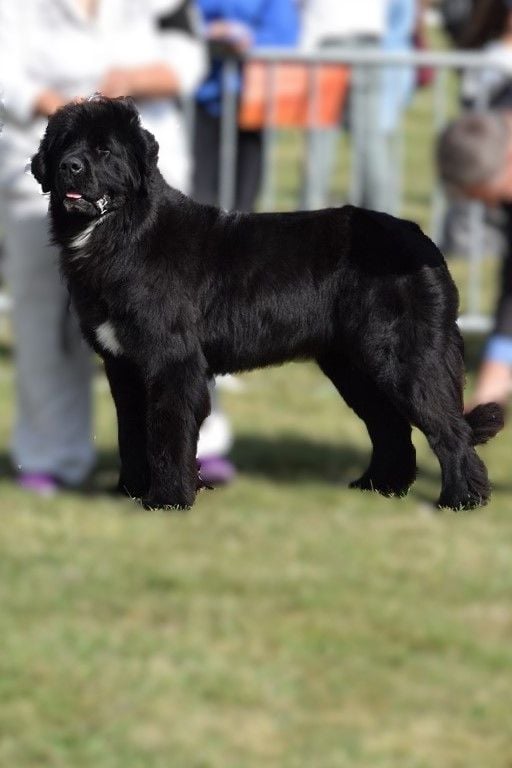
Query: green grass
{"type": "Point", "coordinates": [285, 622]}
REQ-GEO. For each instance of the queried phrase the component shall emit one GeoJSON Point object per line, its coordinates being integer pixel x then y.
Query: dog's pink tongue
{"type": "Point", "coordinates": [73, 195]}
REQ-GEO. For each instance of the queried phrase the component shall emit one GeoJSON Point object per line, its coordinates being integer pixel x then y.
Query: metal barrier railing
{"type": "Point", "coordinates": [360, 62]}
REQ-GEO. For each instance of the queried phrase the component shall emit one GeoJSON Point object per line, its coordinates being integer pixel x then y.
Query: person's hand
{"type": "Point", "coordinates": [493, 385]}
{"type": "Point", "coordinates": [151, 81]}
{"type": "Point", "coordinates": [235, 33]}
{"type": "Point", "coordinates": [118, 82]}
{"type": "Point", "coordinates": [48, 102]}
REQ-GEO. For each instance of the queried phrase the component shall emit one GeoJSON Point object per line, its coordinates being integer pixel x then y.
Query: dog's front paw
{"type": "Point", "coordinates": [389, 478]}
{"type": "Point", "coordinates": [132, 489]}
{"type": "Point", "coordinates": [168, 500]}
{"type": "Point", "coordinates": [384, 486]}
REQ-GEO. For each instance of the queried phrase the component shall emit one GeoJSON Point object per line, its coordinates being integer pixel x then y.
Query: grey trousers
{"type": "Point", "coordinates": [373, 174]}
{"type": "Point", "coordinates": [52, 431]}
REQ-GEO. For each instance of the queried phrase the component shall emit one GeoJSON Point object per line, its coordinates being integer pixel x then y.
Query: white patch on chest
{"type": "Point", "coordinates": [107, 339]}
{"type": "Point", "coordinates": [81, 240]}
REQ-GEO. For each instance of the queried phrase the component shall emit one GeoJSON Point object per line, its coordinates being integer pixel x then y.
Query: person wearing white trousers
{"type": "Point", "coordinates": [377, 100]}
{"type": "Point", "coordinates": [52, 51]}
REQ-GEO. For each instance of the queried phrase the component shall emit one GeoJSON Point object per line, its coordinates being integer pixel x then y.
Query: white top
{"type": "Point", "coordinates": [333, 19]}
{"type": "Point", "coordinates": [52, 44]}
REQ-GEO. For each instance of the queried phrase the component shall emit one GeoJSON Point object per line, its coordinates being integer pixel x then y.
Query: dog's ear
{"type": "Point", "coordinates": [151, 148]}
{"type": "Point", "coordinates": [40, 165]}
{"type": "Point", "coordinates": [39, 170]}
{"type": "Point", "coordinates": [148, 159]}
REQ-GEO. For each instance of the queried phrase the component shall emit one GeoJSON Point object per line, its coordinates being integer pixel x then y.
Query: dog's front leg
{"type": "Point", "coordinates": [177, 403]}
{"type": "Point", "coordinates": [128, 392]}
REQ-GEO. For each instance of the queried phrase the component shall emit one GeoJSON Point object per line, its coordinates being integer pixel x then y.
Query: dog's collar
{"type": "Point", "coordinates": [102, 205]}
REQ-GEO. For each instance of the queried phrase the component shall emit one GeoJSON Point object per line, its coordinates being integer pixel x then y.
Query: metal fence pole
{"type": "Point", "coordinates": [476, 246]}
{"type": "Point", "coordinates": [312, 133]}
{"type": "Point", "coordinates": [189, 115]}
{"type": "Point", "coordinates": [375, 57]}
{"type": "Point", "coordinates": [228, 134]}
{"type": "Point", "coordinates": [357, 129]}
{"type": "Point", "coordinates": [438, 202]}
{"type": "Point", "coordinates": [397, 150]}
{"type": "Point", "coordinates": [268, 194]}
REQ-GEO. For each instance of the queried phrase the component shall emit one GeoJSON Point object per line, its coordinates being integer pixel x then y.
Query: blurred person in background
{"type": "Point", "coordinates": [455, 15]}
{"type": "Point", "coordinates": [475, 160]}
{"type": "Point", "coordinates": [234, 27]}
{"type": "Point", "coordinates": [378, 95]}
{"type": "Point", "coordinates": [485, 26]}
{"type": "Point", "coordinates": [397, 86]}
{"type": "Point", "coordinates": [343, 24]}
{"type": "Point", "coordinates": [51, 52]}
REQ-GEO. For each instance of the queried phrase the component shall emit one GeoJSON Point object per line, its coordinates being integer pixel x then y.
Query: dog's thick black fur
{"type": "Point", "coordinates": [170, 292]}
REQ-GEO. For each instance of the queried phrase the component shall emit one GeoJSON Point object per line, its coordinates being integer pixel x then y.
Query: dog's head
{"type": "Point", "coordinates": [95, 156]}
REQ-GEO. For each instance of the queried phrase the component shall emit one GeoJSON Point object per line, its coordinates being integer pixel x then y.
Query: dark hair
{"type": "Point", "coordinates": [473, 148]}
{"type": "Point", "coordinates": [487, 22]}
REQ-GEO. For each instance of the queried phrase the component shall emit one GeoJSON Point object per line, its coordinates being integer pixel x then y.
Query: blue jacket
{"type": "Point", "coordinates": [271, 22]}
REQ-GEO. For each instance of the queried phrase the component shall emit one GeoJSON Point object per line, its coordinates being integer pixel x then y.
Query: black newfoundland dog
{"type": "Point", "coordinates": [170, 292]}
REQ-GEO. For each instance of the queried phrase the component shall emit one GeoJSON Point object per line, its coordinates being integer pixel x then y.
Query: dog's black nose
{"type": "Point", "coordinates": [72, 164]}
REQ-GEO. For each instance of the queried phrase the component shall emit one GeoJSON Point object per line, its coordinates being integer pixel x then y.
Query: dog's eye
{"type": "Point", "coordinates": [103, 151]}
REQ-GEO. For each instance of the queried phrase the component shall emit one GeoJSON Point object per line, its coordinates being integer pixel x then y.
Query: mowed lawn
{"type": "Point", "coordinates": [285, 622]}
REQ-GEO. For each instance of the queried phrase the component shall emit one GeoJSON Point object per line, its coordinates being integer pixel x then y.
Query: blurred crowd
{"type": "Point", "coordinates": [166, 53]}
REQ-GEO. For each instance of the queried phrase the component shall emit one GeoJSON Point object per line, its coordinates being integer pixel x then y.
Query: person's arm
{"type": "Point", "coordinates": [503, 317]}
{"type": "Point", "coordinates": [152, 81]}
{"type": "Point", "coordinates": [22, 98]}
{"type": "Point", "coordinates": [181, 44]}
{"type": "Point", "coordinates": [47, 102]}
{"type": "Point", "coordinates": [494, 379]}
{"type": "Point", "coordinates": [179, 62]}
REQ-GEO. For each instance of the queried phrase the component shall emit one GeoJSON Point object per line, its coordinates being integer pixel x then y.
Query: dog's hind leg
{"type": "Point", "coordinates": [392, 468]}
{"type": "Point", "coordinates": [435, 411]}
{"type": "Point", "coordinates": [436, 407]}
{"type": "Point", "coordinates": [430, 394]}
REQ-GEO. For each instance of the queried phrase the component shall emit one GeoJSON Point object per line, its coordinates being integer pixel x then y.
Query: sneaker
{"type": "Point", "coordinates": [216, 470]}
{"type": "Point", "coordinates": [38, 483]}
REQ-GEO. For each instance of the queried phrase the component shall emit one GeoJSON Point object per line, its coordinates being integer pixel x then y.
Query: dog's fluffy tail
{"type": "Point", "coordinates": [485, 422]}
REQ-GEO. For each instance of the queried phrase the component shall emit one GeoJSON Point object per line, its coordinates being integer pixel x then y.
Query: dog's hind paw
{"type": "Point", "coordinates": [463, 503]}
{"type": "Point", "coordinates": [385, 487]}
